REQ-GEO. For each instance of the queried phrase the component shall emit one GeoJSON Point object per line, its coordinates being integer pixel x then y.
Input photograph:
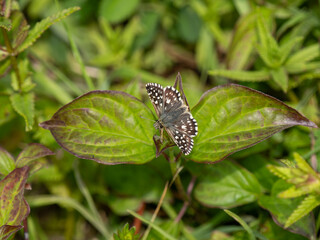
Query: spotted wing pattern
{"type": "Point", "coordinates": [172, 99]}
{"type": "Point", "coordinates": [174, 116]}
{"type": "Point", "coordinates": [155, 92]}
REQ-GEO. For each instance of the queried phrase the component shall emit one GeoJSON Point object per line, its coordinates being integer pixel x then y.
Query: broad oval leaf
{"type": "Point", "coordinates": [226, 185]}
{"type": "Point", "coordinates": [109, 127]}
{"type": "Point", "coordinates": [233, 117]}
{"type": "Point", "coordinates": [13, 207]}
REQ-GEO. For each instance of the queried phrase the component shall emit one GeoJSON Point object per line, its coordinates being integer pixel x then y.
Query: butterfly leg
{"type": "Point", "coordinates": [161, 135]}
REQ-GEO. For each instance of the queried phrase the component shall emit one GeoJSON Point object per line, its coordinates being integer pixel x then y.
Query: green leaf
{"type": "Point", "coordinates": [4, 65]}
{"type": "Point", "coordinates": [154, 226]}
{"type": "Point", "coordinates": [6, 231]}
{"type": "Point", "coordinates": [226, 184]}
{"type": "Point", "coordinates": [51, 87]}
{"type": "Point", "coordinates": [6, 110]}
{"type": "Point", "coordinates": [7, 163]}
{"type": "Point", "coordinates": [302, 67]}
{"type": "Point", "coordinates": [5, 23]}
{"type": "Point", "coordinates": [188, 24]}
{"type": "Point", "coordinates": [233, 117]}
{"type": "Point", "coordinates": [43, 25]}
{"type": "Point", "coordinates": [242, 42]}
{"type": "Point", "coordinates": [305, 207]}
{"type": "Point", "coordinates": [32, 152]}
{"type": "Point", "coordinates": [126, 233]}
{"type": "Point", "coordinates": [246, 76]}
{"type": "Point", "coordinates": [13, 207]}
{"type": "Point", "coordinates": [302, 164]}
{"type": "Point", "coordinates": [280, 77]}
{"type": "Point", "coordinates": [149, 21]}
{"type": "Point", "coordinates": [243, 224]}
{"type": "Point", "coordinates": [206, 56]}
{"type": "Point", "coordinates": [109, 127]}
{"type": "Point", "coordinates": [281, 209]}
{"type": "Point", "coordinates": [304, 55]}
{"type": "Point", "coordinates": [23, 104]}
{"type": "Point", "coordinates": [117, 10]}
{"type": "Point", "coordinates": [287, 47]}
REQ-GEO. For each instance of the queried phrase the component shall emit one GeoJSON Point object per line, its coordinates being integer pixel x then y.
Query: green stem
{"type": "Point", "coordinates": [12, 57]}
{"type": "Point", "coordinates": [178, 183]}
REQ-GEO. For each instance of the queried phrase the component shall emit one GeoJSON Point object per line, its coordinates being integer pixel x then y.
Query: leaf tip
{"type": "Point", "coordinates": [52, 123]}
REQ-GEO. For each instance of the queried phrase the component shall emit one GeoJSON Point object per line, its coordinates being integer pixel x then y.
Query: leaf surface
{"type": "Point", "coordinates": [117, 10]}
{"type": "Point", "coordinates": [226, 184]}
{"type": "Point", "coordinates": [109, 127]}
{"type": "Point", "coordinates": [32, 152]}
{"type": "Point", "coordinates": [24, 105]}
{"type": "Point", "coordinates": [233, 117]}
{"type": "Point", "coordinates": [281, 209]}
{"type": "Point", "coordinates": [43, 25]}
{"type": "Point", "coordinates": [13, 207]}
{"type": "Point", "coordinates": [6, 162]}
{"type": "Point", "coordinates": [246, 76]}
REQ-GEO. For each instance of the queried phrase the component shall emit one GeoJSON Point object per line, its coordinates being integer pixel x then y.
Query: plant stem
{"type": "Point", "coordinates": [12, 57]}
{"type": "Point", "coordinates": [174, 169]}
{"type": "Point", "coordinates": [145, 236]}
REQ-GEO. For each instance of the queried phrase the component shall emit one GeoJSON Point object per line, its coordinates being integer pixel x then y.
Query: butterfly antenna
{"type": "Point", "coordinates": [148, 119]}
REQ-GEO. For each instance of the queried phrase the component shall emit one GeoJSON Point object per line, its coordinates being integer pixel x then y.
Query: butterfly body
{"type": "Point", "coordinates": [173, 115]}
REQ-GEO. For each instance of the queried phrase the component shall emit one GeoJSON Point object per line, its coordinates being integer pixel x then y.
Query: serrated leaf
{"type": "Point", "coordinates": [281, 209]}
{"type": "Point", "coordinates": [304, 55]}
{"type": "Point", "coordinates": [287, 47]}
{"type": "Point", "coordinates": [281, 172]}
{"type": "Point", "coordinates": [264, 54]}
{"type": "Point", "coordinates": [109, 127]}
{"type": "Point", "coordinates": [233, 117]}
{"type": "Point", "coordinates": [280, 77]}
{"type": "Point", "coordinates": [226, 184]}
{"type": "Point", "coordinates": [6, 162]}
{"type": "Point", "coordinates": [292, 192]}
{"type": "Point", "coordinates": [43, 25]}
{"type": "Point", "coordinates": [246, 76]}
{"type": "Point", "coordinates": [302, 164]}
{"type": "Point", "coordinates": [5, 23]}
{"type": "Point", "coordinates": [301, 67]}
{"type": "Point", "coordinates": [126, 234]}
{"type": "Point", "coordinates": [305, 207]}
{"type": "Point", "coordinates": [13, 207]}
{"type": "Point", "coordinates": [32, 152]}
{"type": "Point", "coordinates": [23, 104]}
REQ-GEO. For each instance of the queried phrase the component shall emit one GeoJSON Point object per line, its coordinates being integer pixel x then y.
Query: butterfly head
{"type": "Point", "coordinates": [157, 125]}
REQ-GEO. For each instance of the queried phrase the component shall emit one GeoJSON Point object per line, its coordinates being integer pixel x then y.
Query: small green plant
{"type": "Point", "coordinates": [112, 127]}
{"type": "Point", "coordinates": [126, 234]}
{"type": "Point", "coordinates": [281, 61]}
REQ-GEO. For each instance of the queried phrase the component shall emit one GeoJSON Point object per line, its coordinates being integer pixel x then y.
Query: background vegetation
{"type": "Point", "coordinates": [270, 46]}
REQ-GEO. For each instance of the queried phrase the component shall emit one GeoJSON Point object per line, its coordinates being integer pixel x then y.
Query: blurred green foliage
{"type": "Point", "coordinates": [271, 46]}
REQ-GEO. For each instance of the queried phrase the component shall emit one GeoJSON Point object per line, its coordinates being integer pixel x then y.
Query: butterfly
{"type": "Point", "coordinates": [173, 115]}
